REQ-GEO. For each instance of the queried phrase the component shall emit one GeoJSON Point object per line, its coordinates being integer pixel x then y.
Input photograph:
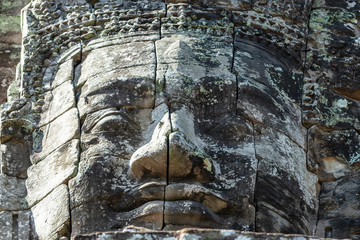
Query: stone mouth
{"type": "Point", "coordinates": [178, 203]}
{"type": "Point", "coordinates": [196, 193]}
{"type": "Point", "coordinates": [172, 215]}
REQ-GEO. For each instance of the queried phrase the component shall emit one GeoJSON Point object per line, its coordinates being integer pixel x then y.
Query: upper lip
{"type": "Point", "coordinates": [197, 193]}
{"type": "Point", "coordinates": [153, 191]}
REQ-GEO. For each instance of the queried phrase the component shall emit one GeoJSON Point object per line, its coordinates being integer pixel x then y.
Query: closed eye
{"type": "Point", "coordinates": [108, 121]}
{"type": "Point", "coordinates": [113, 123]}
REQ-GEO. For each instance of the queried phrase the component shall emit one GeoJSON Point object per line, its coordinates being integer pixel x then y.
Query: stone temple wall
{"type": "Point", "coordinates": [50, 186]}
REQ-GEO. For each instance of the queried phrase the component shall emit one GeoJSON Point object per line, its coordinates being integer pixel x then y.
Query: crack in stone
{"type": "Point", "coordinates": [305, 58]}
{"type": "Point", "coordinates": [93, 2]}
{"type": "Point", "coordinates": [233, 60]}
{"type": "Point", "coordinates": [70, 225]}
{"type": "Point", "coordinates": [256, 174]}
{"type": "Point", "coordinates": [155, 77]}
{"type": "Point", "coordinates": [80, 126]}
{"type": "Point", "coordinates": [167, 179]}
{"type": "Point", "coordinates": [15, 226]}
{"type": "Point", "coordinates": [302, 111]}
{"type": "Point", "coordinates": [167, 138]}
{"type": "Point", "coordinates": [167, 167]}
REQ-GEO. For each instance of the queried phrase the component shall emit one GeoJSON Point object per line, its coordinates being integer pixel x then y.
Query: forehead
{"type": "Point", "coordinates": [197, 71]}
{"type": "Point", "coordinates": [117, 75]}
{"type": "Point", "coordinates": [202, 72]}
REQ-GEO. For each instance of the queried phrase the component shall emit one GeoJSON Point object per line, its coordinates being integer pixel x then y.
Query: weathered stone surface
{"type": "Point", "coordinates": [57, 102]}
{"type": "Point", "coordinates": [55, 134]}
{"type": "Point", "coordinates": [15, 128]}
{"type": "Point", "coordinates": [93, 184]}
{"type": "Point", "coordinates": [337, 112]}
{"type": "Point", "coordinates": [61, 165]}
{"type": "Point", "coordinates": [332, 64]}
{"type": "Point", "coordinates": [103, 147]}
{"type": "Point", "coordinates": [293, 194]}
{"type": "Point", "coordinates": [17, 225]}
{"type": "Point", "coordinates": [142, 162]}
{"type": "Point", "coordinates": [12, 193]}
{"type": "Point", "coordinates": [65, 73]}
{"type": "Point", "coordinates": [15, 158]}
{"type": "Point", "coordinates": [351, 5]}
{"type": "Point", "coordinates": [102, 85]}
{"type": "Point", "coordinates": [150, 215]}
{"type": "Point", "coordinates": [201, 234]}
{"type": "Point", "coordinates": [339, 212]}
{"type": "Point", "coordinates": [268, 91]}
{"type": "Point", "coordinates": [24, 223]}
{"type": "Point", "coordinates": [7, 75]}
{"type": "Point", "coordinates": [333, 155]}
{"type": "Point", "coordinates": [116, 56]}
{"type": "Point", "coordinates": [6, 225]}
{"type": "Point", "coordinates": [51, 215]}
{"type": "Point", "coordinates": [186, 114]}
{"type": "Point", "coordinates": [53, 76]}
{"type": "Point", "coordinates": [330, 100]}
{"type": "Point", "coordinates": [189, 67]}
{"type": "Point", "coordinates": [16, 146]}
{"type": "Point", "coordinates": [109, 94]}
{"type": "Point", "coordinates": [83, 220]}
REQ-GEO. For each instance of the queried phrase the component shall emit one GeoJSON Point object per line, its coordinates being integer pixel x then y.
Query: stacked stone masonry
{"type": "Point", "coordinates": [129, 115]}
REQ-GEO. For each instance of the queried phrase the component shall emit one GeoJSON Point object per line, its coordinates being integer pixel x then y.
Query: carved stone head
{"type": "Point", "coordinates": [166, 116]}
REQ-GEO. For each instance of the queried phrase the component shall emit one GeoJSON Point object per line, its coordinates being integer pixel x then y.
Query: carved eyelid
{"type": "Point", "coordinates": [111, 113]}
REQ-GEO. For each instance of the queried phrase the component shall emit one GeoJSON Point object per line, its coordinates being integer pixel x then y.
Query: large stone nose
{"type": "Point", "coordinates": [150, 160]}
{"type": "Point", "coordinates": [187, 159]}
{"type": "Point", "coordinates": [174, 153]}
{"type": "Point", "coordinates": [188, 162]}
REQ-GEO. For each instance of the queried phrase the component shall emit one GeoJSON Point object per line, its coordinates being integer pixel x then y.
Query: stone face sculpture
{"type": "Point", "coordinates": [166, 115]}
{"type": "Point", "coordinates": [184, 154]}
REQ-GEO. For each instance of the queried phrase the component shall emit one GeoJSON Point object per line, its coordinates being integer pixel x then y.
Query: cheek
{"type": "Point", "coordinates": [235, 173]}
{"type": "Point", "coordinates": [266, 106]}
{"type": "Point", "coordinates": [100, 177]}
{"type": "Point", "coordinates": [231, 146]}
{"type": "Point", "coordinates": [256, 102]}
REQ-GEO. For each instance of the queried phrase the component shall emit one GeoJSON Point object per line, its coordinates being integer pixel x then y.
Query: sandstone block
{"type": "Point", "coordinates": [55, 134]}
{"type": "Point", "coordinates": [15, 158]}
{"type": "Point", "coordinates": [12, 193]}
{"type": "Point", "coordinates": [57, 101]}
{"type": "Point", "coordinates": [55, 169]}
{"type": "Point", "coordinates": [51, 215]}
{"type": "Point", "coordinates": [282, 168]}
{"type": "Point", "coordinates": [333, 155]}
{"type": "Point", "coordinates": [6, 225]}
{"type": "Point", "coordinates": [64, 73]}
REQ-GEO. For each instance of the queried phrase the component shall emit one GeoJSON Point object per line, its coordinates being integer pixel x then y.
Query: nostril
{"type": "Point", "coordinates": [150, 161]}
{"type": "Point", "coordinates": [187, 162]}
{"type": "Point", "coordinates": [203, 167]}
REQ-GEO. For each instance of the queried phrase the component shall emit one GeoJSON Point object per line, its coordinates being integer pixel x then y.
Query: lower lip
{"type": "Point", "coordinates": [178, 214]}
{"type": "Point", "coordinates": [189, 213]}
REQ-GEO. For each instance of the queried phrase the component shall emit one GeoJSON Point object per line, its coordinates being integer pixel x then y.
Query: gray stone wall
{"type": "Point", "coordinates": [297, 160]}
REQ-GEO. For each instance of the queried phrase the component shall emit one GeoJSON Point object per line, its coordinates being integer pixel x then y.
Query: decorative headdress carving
{"type": "Point", "coordinates": [52, 27]}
